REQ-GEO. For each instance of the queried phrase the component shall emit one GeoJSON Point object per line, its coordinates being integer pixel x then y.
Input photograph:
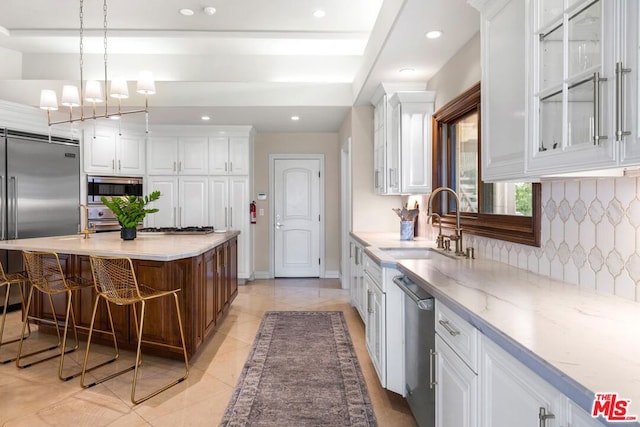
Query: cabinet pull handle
{"type": "Point", "coordinates": [357, 258]}
{"type": "Point", "coordinates": [119, 164]}
{"type": "Point", "coordinates": [175, 218]}
{"type": "Point", "coordinates": [225, 166]}
{"type": "Point", "coordinates": [231, 216]}
{"type": "Point", "coordinates": [350, 243]}
{"type": "Point", "coordinates": [452, 331]}
{"type": "Point", "coordinates": [620, 71]}
{"type": "Point", "coordinates": [376, 179]}
{"type": "Point", "coordinates": [369, 309]}
{"type": "Point", "coordinates": [180, 216]}
{"type": "Point", "coordinates": [225, 217]}
{"type": "Point", "coordinates": [230, 166]}
{"type": "Point", "coordinates": [432, 380]}
{"type": "Point", "coordinates": [113, 164]}
{"type": "Point", "coordinates": [180, 166]}
{"type": "Point", "coordinates": [543, 416]}
{"type": "Point", "coordinates": [596, 108]}
{"type": "Point", "coordinates": [174, 166]}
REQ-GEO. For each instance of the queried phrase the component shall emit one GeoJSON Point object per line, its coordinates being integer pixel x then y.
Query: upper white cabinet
{"type": "Point", "coordinates": [402, 138]}
{"type": "Point", "coordinates": [184, 201]}
{"type": "Point", "coordinates": [168, 155]}
{"type": "Point", "coordinates": [411, 131]}
{"type": "Point", "coordinates": [573, 85]}
{"type": "Point", "coordinates": [503, 28]}
{"type": "Point", "coordinates": [107, 152]}
{"type": "Point", "coordinates": [229, 155]}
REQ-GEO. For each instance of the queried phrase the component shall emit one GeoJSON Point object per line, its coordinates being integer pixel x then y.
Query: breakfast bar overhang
{"type": "Point", "coordinates": [203, 267]}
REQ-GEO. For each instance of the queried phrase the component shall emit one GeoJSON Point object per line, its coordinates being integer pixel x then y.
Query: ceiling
{"type": "Point", "coordinates": [250, 63]}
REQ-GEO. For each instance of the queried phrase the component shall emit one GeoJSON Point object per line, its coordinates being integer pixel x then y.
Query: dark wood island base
{"type": "Point", "coordinates": [208, 284]}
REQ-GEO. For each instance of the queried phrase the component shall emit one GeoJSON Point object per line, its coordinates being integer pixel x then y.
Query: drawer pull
{"type": "Point", "coordinates": [452, 331]}
{"type": "Point", "coordinates": [543, 417]}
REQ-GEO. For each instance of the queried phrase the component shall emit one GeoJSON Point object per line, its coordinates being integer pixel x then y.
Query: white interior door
{"type": "Point", "coordinates": [297, 217]}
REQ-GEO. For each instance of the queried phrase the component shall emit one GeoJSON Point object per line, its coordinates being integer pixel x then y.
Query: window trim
{"type": "Point", "coordinates": [511, 228]}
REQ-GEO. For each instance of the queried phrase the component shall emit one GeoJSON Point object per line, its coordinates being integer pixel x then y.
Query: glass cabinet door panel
{"type": "Point", "coordinates": [550, 123]}
{"type": "Point", "coordinates": [584, 38]}
{"type": "Point", "coordinates": [551, 58]}
{"type": "Point", "coordinates": [580, 113]}
{"type": "Point", "coordinates": [551, 9]}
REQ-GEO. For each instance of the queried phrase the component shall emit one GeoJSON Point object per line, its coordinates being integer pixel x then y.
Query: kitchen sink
{"type": "Point", "coordinates": [416, 253]}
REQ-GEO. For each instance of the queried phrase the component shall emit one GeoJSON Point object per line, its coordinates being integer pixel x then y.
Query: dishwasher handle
{"type": "Point", "coordinates": [422, 302]}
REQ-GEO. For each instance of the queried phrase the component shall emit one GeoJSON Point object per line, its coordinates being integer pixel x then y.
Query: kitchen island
{"type": "Point", "coordinates": [203, 267]}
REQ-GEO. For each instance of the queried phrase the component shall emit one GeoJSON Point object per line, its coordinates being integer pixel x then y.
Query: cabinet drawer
{"type": "Point", "coordinates": [374, 270]}
{"type": "Point", "coordinates": [459, 334]}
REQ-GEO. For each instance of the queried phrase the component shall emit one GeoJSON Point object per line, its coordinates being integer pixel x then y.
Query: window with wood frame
{"type": "Point", "coordinates": [505, 211]}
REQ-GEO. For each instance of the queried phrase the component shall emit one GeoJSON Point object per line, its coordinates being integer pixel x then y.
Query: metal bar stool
{"type": "Point", "coordinates": [116, 282]}
{"type": "Point", "coordinates": [7, 280]}
{"type": "Point", "coordinates": [46, 275]}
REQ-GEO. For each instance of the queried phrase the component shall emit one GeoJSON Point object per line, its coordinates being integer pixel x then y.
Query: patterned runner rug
{"type": "Point", "coordinates": [302, 371]}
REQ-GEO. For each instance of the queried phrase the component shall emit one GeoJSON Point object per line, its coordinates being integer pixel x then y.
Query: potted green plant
{"type": "Point", "coordinates": [130, 211]}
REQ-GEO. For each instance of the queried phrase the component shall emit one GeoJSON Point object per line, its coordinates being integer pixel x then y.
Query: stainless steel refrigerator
{"type": "Point", "coordinates": [39, 192]}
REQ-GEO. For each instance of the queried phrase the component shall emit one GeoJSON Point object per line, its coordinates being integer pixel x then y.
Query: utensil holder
{"type": "Point", "coordinates": [406, 230]}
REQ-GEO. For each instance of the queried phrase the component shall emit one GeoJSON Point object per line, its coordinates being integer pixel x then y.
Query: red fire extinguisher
{"type": "Point", "coordinates": [252, 209]}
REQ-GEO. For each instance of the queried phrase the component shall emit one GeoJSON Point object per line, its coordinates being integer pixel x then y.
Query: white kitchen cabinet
{"type": "Point", "coordinates": [456, 389]}
{"type": "Point", "coordinates": [388, 163]}
{"type": "Point", "coordinates": [229, 155]}
{"type": "Point", "coordinates": [375, 327]}
{"type": "Point", "coordinates": [504, 28]}
{"type": "Point", "coordinates": [411, 114]}
{"type": "Point", "coordinates": [183, 201]}
{"type": "Point", "coordinates": [578, 417]}
{"type": "Point", "coordinates": [573, 87]}
{"type": "Point", "coordinates": [357, 290]}
{"type": "Point", "coordinates": [513, 395]}
{"type": "Point", "coordinates": [627, 126]}
{"type": "Point", "coordinates": [107, 152]}
{"type": "Point", "coordinates": [169, 155]}
{"type": "Point", "coordinates": [229, 210]}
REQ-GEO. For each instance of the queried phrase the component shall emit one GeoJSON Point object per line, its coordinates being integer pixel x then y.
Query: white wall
{"type": "Point", "coordinates": [10, 64]}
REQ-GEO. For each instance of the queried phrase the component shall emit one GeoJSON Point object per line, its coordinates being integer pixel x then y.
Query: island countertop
{"type": "Point", "coordinates": [147, 246]}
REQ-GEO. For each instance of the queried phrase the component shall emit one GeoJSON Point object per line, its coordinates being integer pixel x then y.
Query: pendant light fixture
{"type": "Point", "coordinates": [95, 92]}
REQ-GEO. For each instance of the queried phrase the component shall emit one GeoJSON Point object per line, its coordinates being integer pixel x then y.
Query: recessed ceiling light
{"type": "Point", "coordinates": [186, 12]}
{"type": "Point", "coordinates": [319, 13]}
{"type": "Point", "coordinates": [407, 71]}
{"type": "Point", "coordinates": [206, 118]}
{"type": "Point", "coordinates": [209, 10]}
{"type": "Point", "coordinates": [295, 118]}
{"type": "Point", "coordinates": [433, 34]}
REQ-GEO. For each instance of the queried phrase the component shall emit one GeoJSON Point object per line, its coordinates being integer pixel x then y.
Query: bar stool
{"type": "Point", "coordinates": [46, 275]}
{"type": "Point", "coordinates": [8, 280]}
{"type": "Point", "coordinates": [115, 282]}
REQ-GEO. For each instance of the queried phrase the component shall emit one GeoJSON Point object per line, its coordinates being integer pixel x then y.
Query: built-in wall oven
{"type": "Point", "coordinates": [99, 216]}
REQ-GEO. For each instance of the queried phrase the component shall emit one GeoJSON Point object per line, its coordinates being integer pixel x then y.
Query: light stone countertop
{"type": "Point", "coordinates": [579, 341]}
{"type": "Point", "coordinates": [147, 246]}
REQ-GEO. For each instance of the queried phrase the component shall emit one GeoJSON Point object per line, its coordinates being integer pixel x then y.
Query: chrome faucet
{"type": "Point", "coordinates": [86, 230]}
{"type": "Point", "coordinates": [457, 237]}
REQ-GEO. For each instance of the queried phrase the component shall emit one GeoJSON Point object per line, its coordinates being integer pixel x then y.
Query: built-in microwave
{"type": "Point", "coordinates": [110, 186]}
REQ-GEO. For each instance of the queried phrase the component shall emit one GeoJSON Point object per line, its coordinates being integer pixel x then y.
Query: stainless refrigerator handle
{"type": "Point", "coordinates": [2, 237]}
{"type": "Point", "coordinates": [620, 71]}
{"type": "Point", "coordinates": [15, 205]}
{"type": "Point", "coordinates": [596, 108]}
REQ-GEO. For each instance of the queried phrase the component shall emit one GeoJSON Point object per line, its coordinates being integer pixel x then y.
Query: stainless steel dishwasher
{"type": "Point", "coordinates": [420, 346]}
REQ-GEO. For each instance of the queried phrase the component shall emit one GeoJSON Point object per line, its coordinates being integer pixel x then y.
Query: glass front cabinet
{"type": "Point", "coordinates": [574, 86]}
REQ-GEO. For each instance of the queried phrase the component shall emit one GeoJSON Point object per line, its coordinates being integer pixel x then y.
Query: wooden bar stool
{"type": "Point", "coordinates": [8, 280]}
{"type": "Point", "coordinates": [115, 281]}
{"type": "Point", "coordinates": [46, 275]}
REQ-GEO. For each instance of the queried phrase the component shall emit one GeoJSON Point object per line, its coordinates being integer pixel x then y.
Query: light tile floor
{"type": "Point", "coordinates": [34, 396]}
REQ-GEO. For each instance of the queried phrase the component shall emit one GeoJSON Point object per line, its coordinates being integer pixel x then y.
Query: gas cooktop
{"type": "Point", "coordinates": [177, 230]}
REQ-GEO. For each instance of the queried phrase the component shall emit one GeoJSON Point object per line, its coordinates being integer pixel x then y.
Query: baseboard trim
{"type": "Point", "coordinates": [331, 274]}
{"type": "Point", "coordinates": [263, 275]}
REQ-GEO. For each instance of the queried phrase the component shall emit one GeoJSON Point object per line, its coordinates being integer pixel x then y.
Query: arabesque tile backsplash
{"type": "Point", "coordinates": [590, 236]}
